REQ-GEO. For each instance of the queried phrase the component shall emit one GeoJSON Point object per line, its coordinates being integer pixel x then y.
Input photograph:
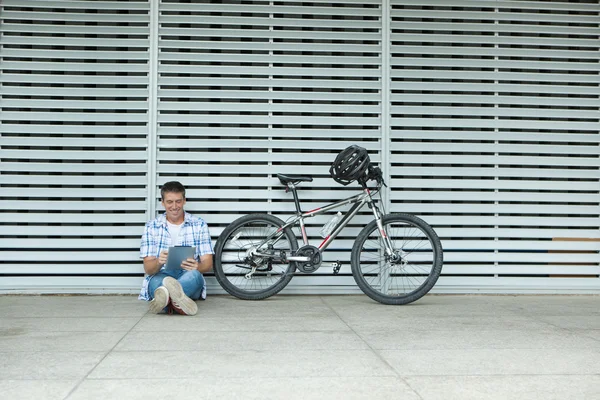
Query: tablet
{"type": "Point", "coordinates": [176, 256]}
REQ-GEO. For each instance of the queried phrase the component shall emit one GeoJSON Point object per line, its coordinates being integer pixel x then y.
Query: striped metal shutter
{"type": "Point", "coordinates": [74, 140]}
{"type": "Point", "coordinates": [248, 90]}
{"type": "Point", "coordinates": [484, 115]}
{"type": "Point", "coordinates": [495, 138]}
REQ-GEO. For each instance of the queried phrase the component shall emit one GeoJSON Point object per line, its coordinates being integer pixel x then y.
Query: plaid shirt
{"type": "Point", "coordinates": [156, 238]}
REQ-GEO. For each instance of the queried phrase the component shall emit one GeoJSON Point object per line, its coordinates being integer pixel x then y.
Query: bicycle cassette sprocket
{"type": "Point", "coordinates": [314, 255]}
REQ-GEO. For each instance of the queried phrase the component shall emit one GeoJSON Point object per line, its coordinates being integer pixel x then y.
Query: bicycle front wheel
{"type": "Point", "coordinates": [409, 272]}
{"type": "Point", "coordinates": [250, 257]}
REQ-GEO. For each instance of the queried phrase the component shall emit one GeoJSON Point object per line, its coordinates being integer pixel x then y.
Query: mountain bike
{"type": "Point", "coordinates": [396, 258]}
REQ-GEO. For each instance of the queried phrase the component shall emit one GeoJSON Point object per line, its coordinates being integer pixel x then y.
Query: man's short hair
{"type": "Point", "coordinates": [172, 187]}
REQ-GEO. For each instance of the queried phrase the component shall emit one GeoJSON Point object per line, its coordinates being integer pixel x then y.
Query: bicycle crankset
{"type": "Point", "coordinates": [314, 259]}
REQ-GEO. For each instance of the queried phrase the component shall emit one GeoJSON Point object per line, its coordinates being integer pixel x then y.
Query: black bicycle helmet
{"type": "Point", "coordinates": [350, 165]}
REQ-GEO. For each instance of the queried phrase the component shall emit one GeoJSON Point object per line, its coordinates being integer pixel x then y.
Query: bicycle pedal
{"type": "Point", "coordinates": [336, 267]}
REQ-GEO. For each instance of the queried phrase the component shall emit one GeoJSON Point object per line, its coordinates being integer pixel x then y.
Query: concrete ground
{"type": "Point", "coordinates": [301, 347]}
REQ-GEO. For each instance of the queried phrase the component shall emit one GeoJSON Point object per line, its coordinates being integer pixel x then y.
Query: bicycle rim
{"type": "Point", "coordinates": [248, 276]}
{"type": "Point", "coordinates": [412, 274]}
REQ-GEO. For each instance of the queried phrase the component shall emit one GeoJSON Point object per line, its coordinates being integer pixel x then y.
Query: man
{"type": "Point", "coordinates": [175, 290]}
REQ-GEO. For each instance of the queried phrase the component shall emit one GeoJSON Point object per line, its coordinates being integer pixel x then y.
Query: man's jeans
{"type": "Point", "coordinates": [192, 282]}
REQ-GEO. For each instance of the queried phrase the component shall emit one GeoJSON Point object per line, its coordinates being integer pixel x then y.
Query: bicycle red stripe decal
{"type": "Point", "coordinates": [323, 242]}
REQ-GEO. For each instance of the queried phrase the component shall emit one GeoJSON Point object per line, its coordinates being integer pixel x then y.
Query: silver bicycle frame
{"type": "Point", "coordinates": [358, 200]}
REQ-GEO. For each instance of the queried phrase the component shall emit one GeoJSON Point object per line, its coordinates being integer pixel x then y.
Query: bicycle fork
{"type": "Point", "coordinates": [392, 257]}
{"type": "Point", "coordinates": [389, 249]}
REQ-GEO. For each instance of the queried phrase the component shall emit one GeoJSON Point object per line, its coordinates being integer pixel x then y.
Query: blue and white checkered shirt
{"type": "Point", "coordinates": [156, 238]}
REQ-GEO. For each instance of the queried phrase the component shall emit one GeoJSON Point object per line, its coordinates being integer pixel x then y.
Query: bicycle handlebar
{"type": "Point", "coordinates": [373, 173]}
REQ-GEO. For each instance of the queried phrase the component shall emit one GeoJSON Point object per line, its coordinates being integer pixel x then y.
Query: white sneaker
{"type": "Point", "coordinates": [160, 300]}
{"type": "Point", "coordinates": [179, 301]}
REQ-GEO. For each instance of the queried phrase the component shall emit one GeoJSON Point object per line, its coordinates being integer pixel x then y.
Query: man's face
{"type": "Point", "coordinates": [173, 204]}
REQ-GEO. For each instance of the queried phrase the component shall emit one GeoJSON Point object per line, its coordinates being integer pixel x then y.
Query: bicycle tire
{"type": "Point", "coordinates": [397, 282]}
{"type": "Point", "coordinates": [233, 261]}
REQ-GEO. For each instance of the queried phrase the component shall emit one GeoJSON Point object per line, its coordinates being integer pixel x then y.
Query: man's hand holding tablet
{"type": "Point", "coordinates": [177, 255]}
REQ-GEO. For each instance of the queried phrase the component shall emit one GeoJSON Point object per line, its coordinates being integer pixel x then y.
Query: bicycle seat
{"type": "Point", "coordinates": [285, 179]}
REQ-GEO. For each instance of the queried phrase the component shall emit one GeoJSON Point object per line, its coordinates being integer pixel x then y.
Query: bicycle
{"type": "Point", "coordinates": [396, 258]}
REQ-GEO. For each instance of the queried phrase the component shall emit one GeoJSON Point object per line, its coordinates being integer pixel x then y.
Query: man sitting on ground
{"type": "Point", "coordinates": [175, 291]}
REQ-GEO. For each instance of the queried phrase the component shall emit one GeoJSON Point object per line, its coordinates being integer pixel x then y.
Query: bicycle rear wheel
{"type": "Point", "coordinates": [241, 271]}
{"type": "Point", "coordinates": [406, 275]}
